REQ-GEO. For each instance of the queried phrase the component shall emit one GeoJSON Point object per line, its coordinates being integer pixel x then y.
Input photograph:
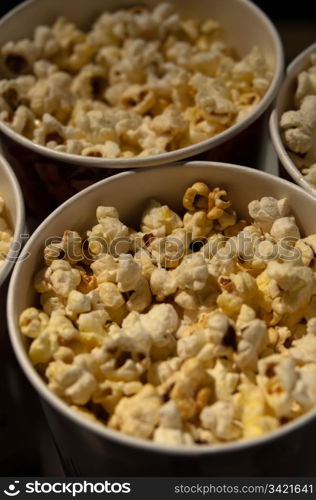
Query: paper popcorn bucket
{"type": "Point", "coordinates": [51, 175]}
{"type": "Point", "coordinates": [87, 446]}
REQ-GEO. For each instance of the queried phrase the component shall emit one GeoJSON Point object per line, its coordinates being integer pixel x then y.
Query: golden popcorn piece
{"type": "Point", "coordinates": [216, 205]}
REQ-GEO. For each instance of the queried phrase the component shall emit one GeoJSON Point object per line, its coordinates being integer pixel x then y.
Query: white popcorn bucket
{"type": "Point", "coordinates": [91, 449]}
{"type": "Point", "coordinates": [55, 176]}
{"type": "Point", "coordinates": [284, 102]}
{"type": "Point", "coordinates": [14, 214]}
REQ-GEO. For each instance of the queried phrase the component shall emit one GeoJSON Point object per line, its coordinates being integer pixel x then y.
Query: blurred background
{"type": "Point", "coordinates": [26, 444]}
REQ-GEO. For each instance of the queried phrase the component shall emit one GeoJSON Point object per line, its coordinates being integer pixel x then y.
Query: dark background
{"type": "Point", "coordinates": [26, 445]}
{"type": "Point", "coordinates": [276, 9]}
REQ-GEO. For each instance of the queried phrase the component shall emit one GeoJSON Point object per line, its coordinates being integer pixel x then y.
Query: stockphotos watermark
{"type": "Point", "coordinates": [167, 249]}
{"type": "Point", "coordinates": [72, 488]}
{"type": "Point", "coordinates": [157, 488]}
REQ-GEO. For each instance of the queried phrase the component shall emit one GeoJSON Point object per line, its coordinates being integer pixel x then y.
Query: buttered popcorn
{"type": "Point", "coordinates": [140, 82]}
{"type": "Point", "coordinates": [6, 234]}
{"type": "Point", "coordinates": [186, 331]}
{"type": "Point", "coordinates": [299, 124]}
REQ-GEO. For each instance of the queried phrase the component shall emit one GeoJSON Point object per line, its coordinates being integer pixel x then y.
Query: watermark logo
{"type": "Point", "coordinates": [12, 490]}
{"type": "Point", "coordinates": [167, 251]}
{"type": "Point", "coordinates": [72, 488]}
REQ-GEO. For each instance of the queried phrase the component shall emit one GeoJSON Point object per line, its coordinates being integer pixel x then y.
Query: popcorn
{"type": "Point", "coordinates": [161, 323]}
{"type": "Point", "coordinates": [45, 42]}
{"type": "Point", "coordinates": [63, 278]}
{"type": "Point", "coordinates": [192, 273]}
{"type": "Point", "coordinates": [43, 347]}
{"type": "Point", "coordinates": [226, 380]}
{"type": "Point", "coordinates": [220, 327]}
{"type": "Point", "coordinates": [143, 258]}
{"type": "Point", "coordinates": [305, 388]}
{"type": "Point", "coordinates": [191, 345]}
{"type": "Point", "coordinates": [201, 436]}
{"type": "Point", "coordinates": [71, 382]}
{"type": "Point", "coordinates": [140, 299]}
{"type": "Point", "coordinates": [93, 321]}
{"type": "Point", "coordinates": [196, 197]}
{"type": "Point", "coordinates": [169, 122]}
{"type": "Point", "coordinates": [119, 359]}
{"type": "Point", "coordinates": [64, 354]}
{"type": "Point", "coordinates": [90, 82]}
{"type": "Point", "coordinates": [139, 98]}
{"type": "Point", "coordinates": [304, 349]}
{"type": "Point", "coordinates": [109, 231]}
{"type": "Point", "coordinates": [246, 315]}
{"type": "Point", "coordinates": [277, 378]}
{"type": "Point", "coordinates": [219, 418]}
{"type": "Point", "coordinates": [104, 268]}
{"type": "Point", "coordinates": [69, 247]}
{"type": "Point", "coordinates": [160, 371]}
{"type": "Point", "coordinates": [255, 416]}
{"type": "Point", "coordinates": [15, 92]}
{"type": "Point", "coordinates": [187, 299]}
{"type": "Point", "coordinates": [268, 210]}
{"type": "Point", "coordinates": [52, 96]}
{"type": "Point", "coordinates": [311, 326]}
{"type": "Point", "coordinates": [17, 58]}
{"type": "Point", "coordinates": [306, 252]}
{"type": "Point", "coordinates": [298, 125]}
{"type": "Point", "coordinates": [163, 283]}
{"type": "Point", "coordinates": [311, 242]}
{"type": "Point", "coordinates": [278, 336]}
{"type": "Point", "coordinates": [310, 174]}
{"type": "Point", "coordinates": [128, 273]}
{"type": "Point", "coordinates": [51, 132]}
{"type": "Point", "coordinates": [116, 278]}
{"type": "Point", "coordinates": [168, 251]}
{"type": "Point", "coordinates": [58, 329]}
{"type": "Point", "coordinates": [50, 302]}
{"type": "Point", "coordinates": [306, 82]}
{"type": "Point", "coordinates": [285, 227]}
{"type": "Point", "coordinates": [111, 296]}
{"type": "Point", "coordinates": [159, 220]}
{"type": "Point", "coordinates": [138, 415]}
{"type": "Point", "coordinates": [33, 322]}
{"type": "Point", "coordinates": [175, 339]}
{"type": "Point", "coordinates": [109, 150]}
{"type": "Point", "coordinates": [23, 121]}
{"type": "Point", "coordinates": [169, 416]}
{"type": "Point", "coordinates": [296, 284]}
{"type": "Point", "coordinates": [212, 98]}
{"type": "Point", "coordinates": [190, 388]}
{"type": "Point", "coordinates": [172, 436]}
{"type": "Point", "coordinates": [197, 224]}
{"type": "Point", "coordinates": [140, 82]}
